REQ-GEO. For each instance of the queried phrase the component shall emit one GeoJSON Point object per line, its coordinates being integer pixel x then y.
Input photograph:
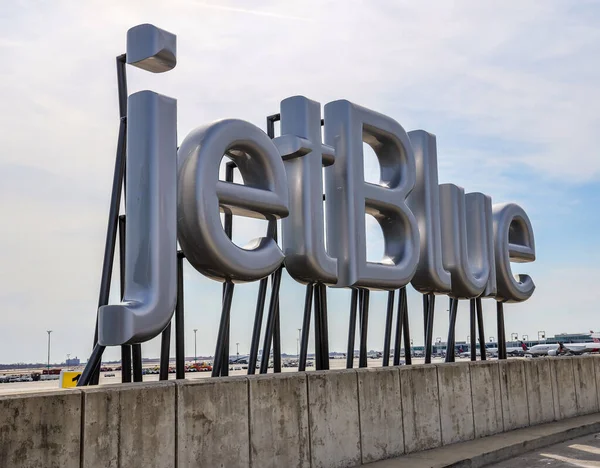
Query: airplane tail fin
{"type": "Point", "coordinates": [524, 346]}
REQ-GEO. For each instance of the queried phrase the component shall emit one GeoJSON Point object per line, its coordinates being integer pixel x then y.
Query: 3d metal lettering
{"type": "Point", "coordinates": [349, 197]}
{"type": "Point", "coordinates": [201, 197]}
{"type": "Point", "coordinates": [424, 202]}
{"type": "Point", "coordinates": [461, 263]}
{"type": "Point", "coordinates": [151, 48]}
{"type": "Point", "coordinates": [442, 240]}
{"type": "Point", "coordinates": [304, 156]}
{"type": "Point", "coordinates": [490, 288]}
{"type": "Point", "coordinates": [465, 240]}
{"type": "Point", "coordinates": [437, 237]}
{"type": "Point", "coordinates": [151, 231]}
{"type": "Point", "coordinates": [513, 241]}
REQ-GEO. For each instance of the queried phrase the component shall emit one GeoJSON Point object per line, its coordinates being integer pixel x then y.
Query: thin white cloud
{"type": "Point", "coordinates": [249, 12]}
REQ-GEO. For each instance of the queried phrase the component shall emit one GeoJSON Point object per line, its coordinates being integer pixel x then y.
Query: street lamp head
{"type": "Point", "coordinates": [151, 48]}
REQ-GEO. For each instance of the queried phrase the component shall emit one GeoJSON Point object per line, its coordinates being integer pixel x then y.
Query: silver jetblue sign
{"type": "Point", "coordinates": [437, 237]}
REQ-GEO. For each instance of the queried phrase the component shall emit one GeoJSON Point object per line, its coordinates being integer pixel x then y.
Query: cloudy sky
{"type": "Point", "coordinates": [510, 88]}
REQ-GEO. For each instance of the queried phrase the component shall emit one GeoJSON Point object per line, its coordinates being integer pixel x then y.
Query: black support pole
{"type": "Point", "coordinates": [136, 353]}
{"type": "Point", "coordinates": [352, 329]}
{"type": "Point", "coordinates": [179, 322]}
{"type": "Point", "coordinates": [277, 342]}
{"type": "Point", "coordinates": [91, 366]}
{"type": "Point", "coordinates": [228, 228]}
{"type": "Point", "coordinates": [482, 349]}
{"type": "Point", "coordinates": [126, 375]}
{"type": "Point", "coordinates": [451, 342]}
{"type": "Point", "coordinates": [125, 349]}
{"type": "Point", "coordinates": [224, 371]}
{"type": "Point", "coordinates": [473, 330]}
{"type": "Point", "coordinates": [398, 333]}
{"type": "Point", "coordinates": [364, 326]}
{"type": "Point", "coordinates": [223, 327]}
{"type": "Point", "coordinates": [425, 316]}
{"type": "Point", "coordinates": [324, 327]}
{"type": "Point", "coordinates": [115, 202]}
{"type": "Point", "coordinates": [165, 345]}
{"type": "Point", "coordinates": [305, 327]}
{"type": "Point", "coordinates": [318, 322]}
{"type": "Point", "coordinates": [501, 331]}
{"type": "Point", "coordinates": [429, 336]}
{"type": "Point", "coordinates": [387, 338]}
{"type": "Point", "coordinates": [225, 360]}
{"type": "Point", "coordinates": [406, 328]}
{"type": "Point", "coordinates": [271, 321]}
{"type": "Point", "coordinates": [273, 232]}
{"type": "Point", "coordinates": [258, 319]}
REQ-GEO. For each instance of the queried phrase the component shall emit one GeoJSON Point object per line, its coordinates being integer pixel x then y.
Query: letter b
{"type": "Point", "coordinates": [349, 197]}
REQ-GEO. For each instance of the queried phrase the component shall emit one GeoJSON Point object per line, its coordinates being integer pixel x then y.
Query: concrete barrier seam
{"type": "Point", "coordinates": [310, 454]}
{"type": "Point", "coordinates": [437, 379]}
{"type": "Point", "coordinates": [119, 430]}
{"type": "Point", "coordinates": [574, 385]}
{"type": "Point", "coordinates": [552, 390]}
{"type": "Point", "coordinates": [500, 396]}
{"type": "Point", "coordinates": [360, 434]}
{"type": "Point", "coordinates": [401, 410]}
{"type": "Point", "coordinates": [176, 431]}
{"type": "Point", "coordinates": [81, 430]}
{"type": "Point", "coordinates": [472, 403]}
{"type": "Point", "coordinates": [595, 383]}
{"type": "Point", "coordinates": [527, 391]}
{"type": "Point", "coordinates": [249, 393]}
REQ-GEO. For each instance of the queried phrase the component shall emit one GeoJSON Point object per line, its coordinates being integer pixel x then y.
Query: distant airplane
{"type": "Point", "coordinates": [510, 350]}
{"type": "Point", "coordinates": [543, 350]}
{"type": "Point", "coordinates": [553, 349]}
{"type": "Point", "coordinates": [239, 360]}
{"type": "Point", "coordinates": [582, 348]}
{"type": "Point", "coordinates": [564, 348]}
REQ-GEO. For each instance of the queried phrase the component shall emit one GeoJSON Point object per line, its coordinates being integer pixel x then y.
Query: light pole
{"type": "Point", "coordinates": [541, 335]}
{"type": "Point", "coordinates": [514, 336]}
{"type": "Point", "coordinates": [298, 344]}
{"type": "Point", "coordinates": [238, 350]}
{"type": "Point", "coordinates": [525, 337]}
{"type": "Point", "coordinates": [195, 348]}
{"type": "Point", "coordinates": [491, 339]}
{"type": "Point", "coordinates": [68, 359]}
{"type": "Point", "coordinates": [48, 331]}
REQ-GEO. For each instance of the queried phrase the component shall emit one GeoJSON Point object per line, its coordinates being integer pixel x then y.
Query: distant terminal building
{"type": "Point", "coordinates": [73, 362]}
{"type": "Point", "coordinates": [570, 338]}
{"type": "Point", "coordinates": [439, 347]}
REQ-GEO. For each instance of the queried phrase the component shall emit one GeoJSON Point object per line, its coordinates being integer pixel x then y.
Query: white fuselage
{"type": "Point", "coordinates": [581, 348]}
{"type": "Point", "coordinates": [542, 349]}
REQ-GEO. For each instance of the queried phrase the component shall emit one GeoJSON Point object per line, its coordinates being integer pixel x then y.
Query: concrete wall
{"type": "Point", "coordinates": [314, 419]}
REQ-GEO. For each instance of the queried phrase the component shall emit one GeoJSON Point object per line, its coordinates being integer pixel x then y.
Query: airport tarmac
{"type": "Point", "coordinates": [46, 385]}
